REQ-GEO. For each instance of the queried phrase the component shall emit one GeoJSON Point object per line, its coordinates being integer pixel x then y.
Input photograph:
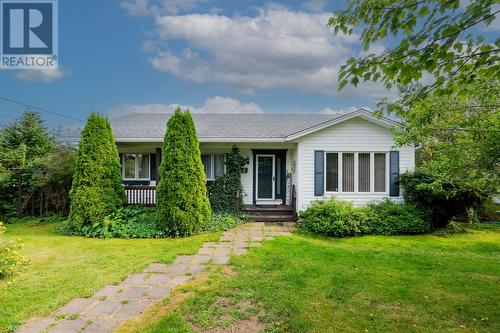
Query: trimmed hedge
{"type": "Point", "coordinates": [97, 189]}
{"type": "Point", "coordinates": [182, 204]}
{"type": "Point", "coordinates": [341, 219]}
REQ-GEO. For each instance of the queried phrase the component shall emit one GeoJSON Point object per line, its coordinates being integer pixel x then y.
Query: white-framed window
{"type": "Point", "coordinates": [356, 172]}
{"type": "Point", "coordinates": [136, 166]}
{"type": "Point", "coordinates": [214, 165]}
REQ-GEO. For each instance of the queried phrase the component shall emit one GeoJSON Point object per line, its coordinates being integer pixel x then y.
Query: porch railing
{"type": "Point", "coordinates": [140, 195]}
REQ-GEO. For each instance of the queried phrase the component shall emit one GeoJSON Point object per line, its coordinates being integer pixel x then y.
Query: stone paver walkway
{"type": "Point", "coordinates": [113, 305]}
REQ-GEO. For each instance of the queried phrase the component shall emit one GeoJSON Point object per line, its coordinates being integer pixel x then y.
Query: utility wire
{"type": "Point", "coordinates": [39, 109]}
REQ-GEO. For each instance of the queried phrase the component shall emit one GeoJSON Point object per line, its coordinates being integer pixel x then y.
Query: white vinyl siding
{"type": "Point", "coordinates": [357, 136]}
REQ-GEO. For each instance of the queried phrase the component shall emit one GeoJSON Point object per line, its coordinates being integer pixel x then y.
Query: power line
{"type": "Point", "coordinates": [38, 108]}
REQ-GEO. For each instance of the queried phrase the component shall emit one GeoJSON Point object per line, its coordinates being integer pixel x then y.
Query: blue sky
{"type": "Point", "coordinates": [122, 56]}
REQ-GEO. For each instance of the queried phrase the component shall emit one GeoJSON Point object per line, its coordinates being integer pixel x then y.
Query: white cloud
{"type": "Point", "coordinates": [42, 75]}
{"type": "Point", "coordinates": [215, 104]}
{"type": "Point", "coordinates": [158, 7]}
{"type": "Point", "coordinates": [136, 7]}
{"type": "Point", "coordinates": [220, 104]}
{"type": "Point", "coordinates": [315, 5]}
{"type": "Point", "coordinates": [277, 49]}
{"type": "Point", "coordinates": [176, 6]}
{"type": "Point", "coordinates": [344, 110]}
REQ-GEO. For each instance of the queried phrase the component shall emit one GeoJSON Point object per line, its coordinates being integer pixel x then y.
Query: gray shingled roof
{"type": "Point", "coordinates": [219, 125]}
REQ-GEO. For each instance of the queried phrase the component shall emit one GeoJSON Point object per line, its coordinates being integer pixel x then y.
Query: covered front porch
{"type": "Point", "coordinates": [268, 180]}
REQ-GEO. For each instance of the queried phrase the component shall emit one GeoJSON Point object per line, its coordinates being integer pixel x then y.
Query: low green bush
{"type": "Point", "coordinates": [222, 222]}
{"type": "Point", "coordinates": [53, 218]}
{"type": "Point", "coordinates": [390, 218]}
{"type": "Point", "coordinates": [128, 222]}
{"type": "Point", "coordinates": [140, 222]}
{"type": "Point", "coordinates": [11, 260]}
{"type": "Point", "coordinates": [341, 219]}
{"type": "Point", "coordinates": [331, 218]}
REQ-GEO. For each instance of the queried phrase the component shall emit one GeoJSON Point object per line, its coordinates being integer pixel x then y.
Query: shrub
{"type": "Point", "coordinates": [57, 180]}
{"type": "Point", "coordinates": [440, 201]}
{"type": "Point", "coordinates": [183, 206]}
{"type": "Point", "coordinates": [129, 222]}
{"type": "Point", "coordinates": [22, 143]}
{"type": "Point", "coordinates": [330, 218]}
{"type": "Point", "coordinates": [341, 219]}
{"type": "Point", "coordinates": [390, 218]}
{"type": "Point", "coordinates": [10, 258]}
{"type": "Point", "coordinates": [223, 222]}
{"type": "Point", "coordinates": [97, 190]}
{"type": "Point", "coordinates": [222, 191]}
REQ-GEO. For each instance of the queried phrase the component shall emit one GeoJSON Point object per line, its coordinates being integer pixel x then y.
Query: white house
{"type": "Point", "coordinates": [350, 156]}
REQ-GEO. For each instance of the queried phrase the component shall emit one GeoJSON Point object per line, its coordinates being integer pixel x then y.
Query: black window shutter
{"type": "Point", "coordinates": [394, 174]}
{"type": "Point", "coordinates": [319, 176]}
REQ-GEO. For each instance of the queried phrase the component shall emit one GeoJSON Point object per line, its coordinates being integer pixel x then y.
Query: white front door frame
{"type": "Point", "coordinates": [273, 177]}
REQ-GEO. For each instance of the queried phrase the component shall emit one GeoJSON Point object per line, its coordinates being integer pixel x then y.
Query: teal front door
{"type": "Point", "coordinates": [265, 177]}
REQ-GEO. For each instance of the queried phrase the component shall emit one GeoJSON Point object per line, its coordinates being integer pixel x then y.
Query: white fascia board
{"type": "Point", "coordinates": [241, 140]}
{"type": "Point", "coordinates": [155, 140]}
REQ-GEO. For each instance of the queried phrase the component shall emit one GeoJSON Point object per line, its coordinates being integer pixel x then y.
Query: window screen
{"type": "Point", "coordinates": [207, 164]}
{"type": "Point", "coordinates": [332, 172]}
{"type": "Point", "coordinates": [129, 166]}
{"type": "Point", "coordinates": [380, 172]}
{"type": "Point", "coordinates": [143, 166]}
{"type": "Point", "coordinates": [348, 172]}
{"type": "Point", "coordinates": [218, 165]}
{"type": "Point", "coordinates": [364, 172]}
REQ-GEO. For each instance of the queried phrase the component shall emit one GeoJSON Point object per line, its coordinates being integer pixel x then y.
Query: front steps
{"type": "Point", "coordinates": [278, 213]}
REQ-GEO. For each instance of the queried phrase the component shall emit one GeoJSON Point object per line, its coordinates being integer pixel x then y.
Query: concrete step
{"type": "Point", "coordinates": [273, 218]}
{"type": "Point", "coordinates": [269, 213]}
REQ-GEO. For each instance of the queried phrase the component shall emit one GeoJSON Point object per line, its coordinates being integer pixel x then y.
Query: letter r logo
{"type": "Point", "coordinates": [27, 27]}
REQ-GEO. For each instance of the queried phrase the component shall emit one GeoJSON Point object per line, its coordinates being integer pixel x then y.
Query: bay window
{"type": "Point", "coordinates": [214, 165]}
{"type": "Point", "coordinates": [356, 172]}
{"type": "Point", "coordinates": [135, 166]}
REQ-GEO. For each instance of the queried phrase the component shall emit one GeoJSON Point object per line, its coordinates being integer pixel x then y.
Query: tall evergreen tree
{"type": "Point", "coordinates": [28, 131]}
{"type": "Point", "coordinates": [97, 189]}
{"type": "Point", "coordinates": [183, 206]}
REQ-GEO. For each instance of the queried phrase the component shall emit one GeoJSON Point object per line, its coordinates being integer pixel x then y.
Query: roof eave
{"type": "Point", "coordinates": [201, 139]}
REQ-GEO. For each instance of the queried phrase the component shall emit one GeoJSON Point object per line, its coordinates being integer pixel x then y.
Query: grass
{"type": "Point", "coordinates": [64, 267]}
{"type": "Point", "coordinates": [307, 283]}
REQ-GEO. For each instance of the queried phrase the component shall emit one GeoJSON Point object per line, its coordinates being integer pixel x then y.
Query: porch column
{"type": "Point", "coordinates": [158, 161]}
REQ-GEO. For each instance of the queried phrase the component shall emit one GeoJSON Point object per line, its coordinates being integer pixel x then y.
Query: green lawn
{"type": "Point", "coordinates": [306, 283]}
{"type": "Point", "coordinates": [66, 267]}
